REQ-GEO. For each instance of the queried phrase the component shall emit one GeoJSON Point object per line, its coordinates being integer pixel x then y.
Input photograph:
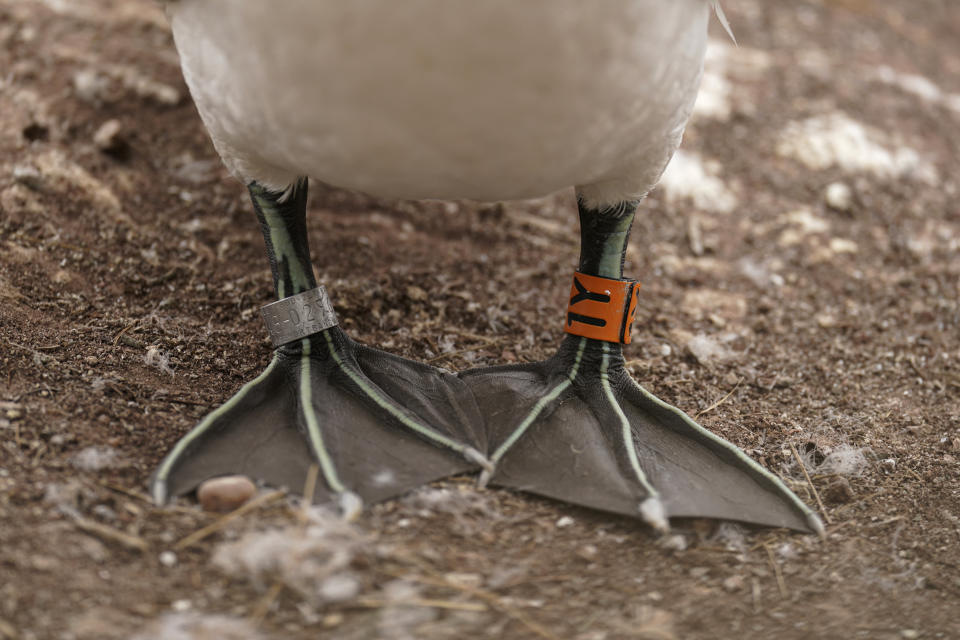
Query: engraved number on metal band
{"type": "Point", "coordinates": [298, 316]}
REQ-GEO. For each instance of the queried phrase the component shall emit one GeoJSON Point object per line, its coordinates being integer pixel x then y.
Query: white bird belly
{"type": "Point", "coordinates": [478, 99]}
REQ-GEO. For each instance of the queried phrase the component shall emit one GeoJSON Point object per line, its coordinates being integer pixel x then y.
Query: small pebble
{"type": "Point", "coordinates": [339, 588]}
{"type": "Point", "coordinates": [588, 551]}
{"type": "Point", "coordinates": [225, 493]}
{"type": "Point", "coordinates": [181, 605]}
{"type": "Point", "coordinates": [699, 572]}
{"type": "Point", "coordinates": [108, 137]}
{"type": "Point", "coordinates": [565, 521]}
{"type": "Point", "coordinates": [675, 542]}
{"type": "Point", "coordinates": [733, 583]}
{"type": "Point", "coordinates": [839, 196]}
{"type": "Point", "coordinates": [838, 491]}
{"type": "Point", "coordinates": [168, 558]}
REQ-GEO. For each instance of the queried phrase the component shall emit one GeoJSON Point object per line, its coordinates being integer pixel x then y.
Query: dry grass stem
{"type": "Point", "coordinates": [263, 605]}
{"type": "Point", "coordinates": [309, 488]}
{"type": "Point", "coordinates": [378, 603]}
{"type": "Point", "coordinates": [719, 402]}
{"type": "Point", "coordinates": [104, 532]}
{"type": "Point", "coordinates": [781, 583]}
{"type": "Point", "coordinates": [491, 598]}
{"type": "Point", "coordinates": [813, 489]}
{"type": "Point", "coordinates": [212, 528]}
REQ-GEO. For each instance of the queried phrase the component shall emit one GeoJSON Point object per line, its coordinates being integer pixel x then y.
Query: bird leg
{"type": "Point", "coordinates": [376, 424]}
{"type": "Point", "coordinates": [577, 428]}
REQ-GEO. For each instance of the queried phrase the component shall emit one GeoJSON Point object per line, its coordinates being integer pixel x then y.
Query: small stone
{"type": "Point", "coordinates": [332, 620]}
{"type": "Point", "coordinates": [565, 521]}
{"type": "Point", "coordinates": [733, 583]}
{"type": "Point", "coordinates": [108, 137]}
{"type": "Point", "coordinates": [588, 551]}
{"type": "Point", "coordinates": [699, 572]}
{"type": "Point", "coordinates": [470, 580]}
{"type": "Point", "coordinates": [838, 196]}
{"type": "Point", "coordinates": [838, 491]}
{"type": "Point", "coordinates": [90, 86]}
{"type": "Point", "coordinates": [225, 493]}
{"type": "Point", "coordinates": [29, 176]}
{"type": "Point", "coordinates": [168, 558]}
{"type": "Point", "coordinates": [416, 294]}
{"type": "Point", "coordinates": [339, 588]}
{"type": "Point", "coordinates": [909, 634]}
{"type": "Point", "coordinates": [675, 542]}
{"type": "Point", "coordinates": [181, 605]}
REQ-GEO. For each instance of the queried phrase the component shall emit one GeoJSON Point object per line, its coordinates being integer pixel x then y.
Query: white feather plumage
{"type": "Point", "coordinates": [488, 99]}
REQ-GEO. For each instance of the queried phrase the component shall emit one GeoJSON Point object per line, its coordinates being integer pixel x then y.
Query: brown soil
{"type": "Point", "coordinates": [131, 272]}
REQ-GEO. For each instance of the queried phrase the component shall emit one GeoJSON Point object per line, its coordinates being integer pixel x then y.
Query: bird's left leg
{"type": "Point", "coordinates": [375, 424]}
{"type": "Point", "coordinates": [577, 428]}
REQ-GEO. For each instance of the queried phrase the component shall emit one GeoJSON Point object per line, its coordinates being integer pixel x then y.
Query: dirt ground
{"type": "Point", "coordinates": [801, 286]}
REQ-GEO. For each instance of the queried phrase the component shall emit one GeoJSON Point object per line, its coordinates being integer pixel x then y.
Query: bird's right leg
{"type": "Point", "coordinates": [376, 424]}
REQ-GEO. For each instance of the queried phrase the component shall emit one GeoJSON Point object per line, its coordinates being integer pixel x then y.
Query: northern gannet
{"type": "Point", "coordinates": [485, 100]}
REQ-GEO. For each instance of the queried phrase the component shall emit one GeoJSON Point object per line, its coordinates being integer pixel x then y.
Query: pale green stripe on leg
{"type": "Point", "coordinates": [390, 407]}
{"type": "Point", "coordinates": [651, 507]}
{"type": "Point", "coordinates": [625, 430]}
{"type": "Point", "coordinates": [541, 404]}
{"type": "Point", "coordinates": [313, 425]}
{"type": "Point", "coordinates": [159, 484]}
{"type": "Point", "coordinates": [813, 520]}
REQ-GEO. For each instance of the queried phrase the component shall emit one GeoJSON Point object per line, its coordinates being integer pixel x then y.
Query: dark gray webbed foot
{"type": "Point", "coordinates": [577, 428]}
{"type": "Point", "coordinates": [375, 424]}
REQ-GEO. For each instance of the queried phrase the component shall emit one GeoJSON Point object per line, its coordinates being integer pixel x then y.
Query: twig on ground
{"type": "Point", "coordinates": [104, 532]}
{"type": "Point", "coordinates": [813, 488]}
{"type": "Point", "coordinates": [491, 598]}
{"type": "Point", "coordinates": [488, 342]}
{"type": "Point", "coordinates": [132, 493]}
{"type": "Point", "coordinates": [781, 583]}
{"type": "Point", "coordinates": [212, 528]}
{"type": "Point", "coordinates": [117, 337]}
{"type": "Point", "coordinates": [309, 487]}
{"type": "Point", "coordinates": [378, 603]}
{"type": "Point", "coordinates": [263, 605]}
{"type": "Point", "coordinates": [718, 402]}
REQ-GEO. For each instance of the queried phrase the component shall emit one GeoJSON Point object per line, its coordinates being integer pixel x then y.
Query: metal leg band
{"type": "Point", "coordinates": [299, 316]}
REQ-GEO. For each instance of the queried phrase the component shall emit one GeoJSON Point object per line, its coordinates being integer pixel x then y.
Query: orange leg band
{"type": "Point", "coordinates": [602, 308]}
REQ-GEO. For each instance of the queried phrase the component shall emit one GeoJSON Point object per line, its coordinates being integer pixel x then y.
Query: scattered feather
{"type": "Point", "coordinates": [197, 626]}
{"type": "Point", "coordinates": [314, 560]}
{"type": "Point", "coordinates": [95, 458]}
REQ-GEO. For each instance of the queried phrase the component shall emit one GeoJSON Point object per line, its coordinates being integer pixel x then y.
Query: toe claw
{"type": "Point", "coordinates": [484, 478]}
{"type": "Point", "coordinates": [653, 513]}
{"type": "Point", "coordinates": [816, 525]}
{"type": "Point", "coordinates": [351, 505]}
{"type": "Point", "coordinates": [159, 493]}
